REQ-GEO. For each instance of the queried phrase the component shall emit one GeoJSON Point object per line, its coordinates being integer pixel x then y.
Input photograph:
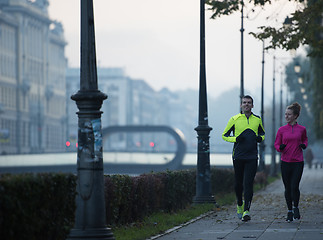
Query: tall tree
{"type": "Point", "coordinates": [305, 28]}
{"type": "Point", "coordinates": [305, 24]}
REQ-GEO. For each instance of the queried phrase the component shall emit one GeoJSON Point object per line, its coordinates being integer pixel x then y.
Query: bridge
{"type": "Point", "coordinates": [60, 163]}
{"type": "Point", "coordinates": [175, 163]}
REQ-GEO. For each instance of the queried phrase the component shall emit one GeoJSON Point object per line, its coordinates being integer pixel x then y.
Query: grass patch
{"type": "Point", "coordinates": [225, 199]}
{"type": "Point", "coordinates": [271, 179]}
{"type": "Point", "coordinates": [160, 222]}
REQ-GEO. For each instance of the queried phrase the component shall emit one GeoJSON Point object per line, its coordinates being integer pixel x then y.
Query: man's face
{"type": "Point", "coordinates": [246, 105]}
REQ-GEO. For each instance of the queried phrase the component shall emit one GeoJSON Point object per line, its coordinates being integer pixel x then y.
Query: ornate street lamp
{"type": "Point", "coordinates": [90, 218]}
{"type": "Point", "coordinates": [203, 174]}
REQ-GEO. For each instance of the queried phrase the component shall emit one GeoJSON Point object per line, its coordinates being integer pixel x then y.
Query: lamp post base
{"type": "Point", "coordinates": [89, 234]}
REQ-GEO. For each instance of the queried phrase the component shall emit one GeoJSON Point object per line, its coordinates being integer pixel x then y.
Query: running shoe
{"type": "Point", "coordinates": [289, 217]}
{"type": "Point", "coordinates": [296, 213]}
{"type": "Point", "coordinates": [240, 210]}
{"type": "Point", "coordinates": [246, 217]}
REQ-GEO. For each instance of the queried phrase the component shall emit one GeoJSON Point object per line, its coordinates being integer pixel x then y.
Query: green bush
{"type": "Point", "coordinates": [222, 180]}
{"type": "Point", "coordinates": [42, 206]}
{"type": "Point", "coordinates": [38, 206]}
{"type": "Point", "coordinates": [179, 189]}
{"type": "Point", "coordinates": [129, 199]}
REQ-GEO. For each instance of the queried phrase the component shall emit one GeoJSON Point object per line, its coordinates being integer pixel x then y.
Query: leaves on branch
{"type": "Point", "coordinates": [306, 27]}
{"type": "Point", "coordinates": [227, 7]}
{"type": "Point", "coordinates": [223, 7]}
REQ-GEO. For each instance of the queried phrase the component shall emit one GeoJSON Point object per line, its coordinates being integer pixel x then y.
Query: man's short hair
{"type": "Point", "coordinates": [249, 97]}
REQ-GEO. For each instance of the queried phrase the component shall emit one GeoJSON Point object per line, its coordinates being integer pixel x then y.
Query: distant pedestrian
{"type": "Point", "coordinates": [291, 140]}
{"type": "Point", "coordinates": [245, 130]}
{"type": "Point", "coordinates": [309, 157]}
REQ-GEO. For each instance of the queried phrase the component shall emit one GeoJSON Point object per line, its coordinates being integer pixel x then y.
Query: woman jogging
{"type": "Point", "coordinates": [291, 140]}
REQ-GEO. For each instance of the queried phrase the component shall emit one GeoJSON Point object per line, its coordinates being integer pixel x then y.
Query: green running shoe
{"type": "Point", "coordinates": [240, 210]}
{"type": "Point", "coordinates": [246, 217]}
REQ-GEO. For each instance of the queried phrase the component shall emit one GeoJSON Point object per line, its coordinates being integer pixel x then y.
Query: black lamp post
{"type": "Point", "coordinates": [287, 23]}
{"type": "Point", "coordinates": [203, 174]}
{"type": "Point", "coordinates": [262, 145]}
{"type": "Point", "coordinates": [273, 150]}
{"type": "Point", "coordinates": [90, 218]}
{"type": "Point", "coordinates": [281, 99]}
{"type": "Point", "coordinates": [242, 57]}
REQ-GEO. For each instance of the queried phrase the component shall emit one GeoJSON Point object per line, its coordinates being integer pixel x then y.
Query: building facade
{"type": "Point", "coordinates": [32, 79]}
{"type": "Point", "coordinates": [116, 109]}
{"type": "Point", "coordinates": [132, 102]}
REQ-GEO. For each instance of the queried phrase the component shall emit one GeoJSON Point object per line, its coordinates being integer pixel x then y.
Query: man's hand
{"type": "Point", "coordinates": [259, 139]}
{"type": "Point", "coordinates": [282, 146]}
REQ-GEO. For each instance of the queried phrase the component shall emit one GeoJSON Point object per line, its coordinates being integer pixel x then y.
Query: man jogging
{"type": "Point", "coordinates": [247, 130]}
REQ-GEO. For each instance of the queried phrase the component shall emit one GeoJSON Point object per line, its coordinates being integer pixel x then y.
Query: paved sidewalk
{"type": "Point", "coordinates": [268, 213]}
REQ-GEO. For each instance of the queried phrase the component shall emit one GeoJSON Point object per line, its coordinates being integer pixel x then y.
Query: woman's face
{"type": "Point", "coordinates": [289, 116]}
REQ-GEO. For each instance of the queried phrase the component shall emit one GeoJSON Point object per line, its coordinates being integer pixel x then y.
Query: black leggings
{"type": "Point", "coordinates": [291, 175]}
{"type": "Point", "coordinates": [244, 173]}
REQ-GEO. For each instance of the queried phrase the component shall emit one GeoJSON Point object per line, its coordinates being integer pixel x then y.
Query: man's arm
{"type": "Point", "coordinates": [227, 131]}
{"type": "Point", "coordinates": [261, 131]}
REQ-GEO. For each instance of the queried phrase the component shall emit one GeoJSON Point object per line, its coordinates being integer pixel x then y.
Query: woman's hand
{"type": "Point", "coordinates": [281, 147]}
{"type": "Point", "coordinates": [302, 146]}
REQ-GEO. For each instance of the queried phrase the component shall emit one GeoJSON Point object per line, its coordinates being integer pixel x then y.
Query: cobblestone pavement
{"type": "Point", "coordinates": [268, 212]}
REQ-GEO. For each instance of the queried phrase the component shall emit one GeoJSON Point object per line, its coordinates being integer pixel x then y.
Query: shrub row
{"type": "Point", "coordinates": [129, 199]}
{"type": "Point", "coordinates": [38, 206]}
{"type": "Point", "coordinates": [42, 206]}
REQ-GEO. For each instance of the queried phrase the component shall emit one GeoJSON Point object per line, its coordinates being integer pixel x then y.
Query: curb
{"type": "Point", "coordinates": [180, 226]}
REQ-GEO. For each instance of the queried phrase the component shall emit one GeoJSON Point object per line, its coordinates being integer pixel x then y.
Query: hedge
{"type": "Point", "coordinates": [42, 206]}
{"type": "Point", "coordinates": [38, 206]}
{"type": "Point", "coordinates": [129, 199]}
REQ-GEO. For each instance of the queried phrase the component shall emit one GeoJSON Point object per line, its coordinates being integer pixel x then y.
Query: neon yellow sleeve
{"type": "Point", "coordinates": [227, 131]}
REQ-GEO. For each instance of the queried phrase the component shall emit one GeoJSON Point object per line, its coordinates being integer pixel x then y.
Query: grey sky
{"type": "Point", "coordinates": [158, 41]}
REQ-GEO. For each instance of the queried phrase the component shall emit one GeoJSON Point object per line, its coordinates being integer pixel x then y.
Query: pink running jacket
{"type": "Point", "coordinates": [292, 137]}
